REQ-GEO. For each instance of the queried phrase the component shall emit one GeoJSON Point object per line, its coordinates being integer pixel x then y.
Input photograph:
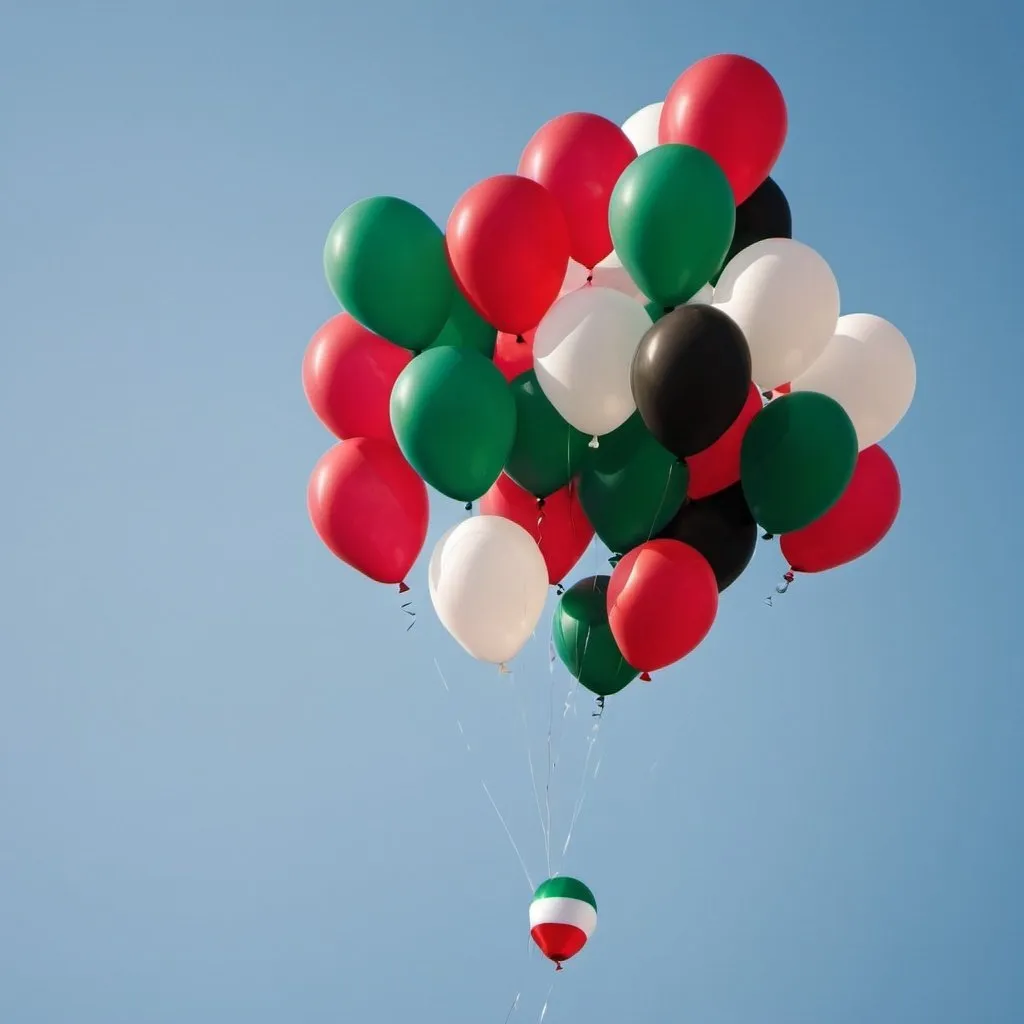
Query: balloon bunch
{"type": "Point", "coordinates": [621, 338]}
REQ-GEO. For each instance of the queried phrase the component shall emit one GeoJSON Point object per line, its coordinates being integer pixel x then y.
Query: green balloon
{"type": "Point", "coordinates": [672, 218]}
{"type": "Point", "coordinates": [547, 451]}
{"type": "Point", "coordinates": [584, 641]}
{"type": "Point", "coordinates": [631, 487]}
{"type": "Point", "coordinates": [798, 455]}
{"type": "Point", "coordinates": [465, 328]}
{"type": "Point", "coordinates": [386, 264]}
{"type": "Point", "coordinates": [454, 419]}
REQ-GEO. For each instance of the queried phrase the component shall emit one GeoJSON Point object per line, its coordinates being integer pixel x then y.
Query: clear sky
{"type": "Point", "coordinates": [233, 789]}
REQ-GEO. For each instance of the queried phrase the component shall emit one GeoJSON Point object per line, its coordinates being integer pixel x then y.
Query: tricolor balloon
{"type": "Point", "coordinates": [563, 916]}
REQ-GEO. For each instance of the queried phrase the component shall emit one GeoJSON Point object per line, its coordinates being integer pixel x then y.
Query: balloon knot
{"type": "Point", "coordinates": [668, 309]}
{"type": "Point", "coordinates": [590, 278]}
{"type": "Point", "coordinates": [540, 503]}
{"type": "Point", "coordinates": [614, 560]}
{"type": "Point", "coordinates": [503, 669]}
{"type": "Point", "coordinates": [403, 588]}
{"type": "Point", "coordinates": [768, 536]}
{"type": "Point", "coordinates": [559, 589]}
{"type": "Point", "coordinates": [593, 442]}
{"type": "Point", "coordinates": [558, 966]}
{"type": "Point", "coordinates": [767, 395]}
{"type": "Point", "coordinates": [469, 506]}
{"type": "Point", "coordinates": [788, 576]}
{"type": "Point", "coordinates": [520, 340]}
{"type": "Point", "coordinates": [645, 677]}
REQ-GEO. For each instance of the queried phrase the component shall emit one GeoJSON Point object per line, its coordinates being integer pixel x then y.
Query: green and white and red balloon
{"type": "Point", "coordinates": [563, 916]}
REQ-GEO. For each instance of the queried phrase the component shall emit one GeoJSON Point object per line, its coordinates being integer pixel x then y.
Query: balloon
{"type": "Point", "coordinates": [631, 487]}
{"type": "Point", "coordinates": [671, 219]}
{"type": "Point", "coordinates": [691, 378]}
{"type": "Point", "coordinates": [455, 420]}
{"type": "Point", "coordinates": [465, 329]}
{"type": "Point", "coordinates": [547, 451]}
{"type": "Point", "coordinates": [718, 466]}
{"type": "Point", "coordinates": [797, 457]}
{"type": "Point", "coordinates": [508, 246]}
{"type": "Point", "coordinates": [563, 916]}
{"type": "Point", "coordinates": [513, 354]}
{"type": "Point", "coordinates": [641, 128]}
{"type": "Point", "coordinates": [721, 528]}
{"type": "Point", "coordinates": [609, 273]}
{"type": "Point", "coordinates": [558, 523]}
{"type": "Point", "coordinates": [584, 642]}
{"type": "Point", "coordinates": [869, 369]}
{"type": "Point", "coordinates": [347, 374]}
{"type": "Point", "coordinates": [785, 299]}
{"type": "Point", "coordinates": [578, 158]}
{"type": "Point", "coordinates": [855, 524]}
{"type": "Point", "coordinates": [385, 262]}
{"type": "Point", "coordinates": [765, 214]}
{"type": "Point", "coordinates": [662, 602]}
{"type": "Point", "coordinates": [582, 353]}
{"type": "Point", "coordinates": [731, 108]}
{"type": "Point", "coordinates": [369, 508]}
{"type": "Point", "coordinates": [488, 585]}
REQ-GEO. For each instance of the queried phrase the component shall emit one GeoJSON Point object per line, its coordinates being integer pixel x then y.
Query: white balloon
{"type": "Point", "coordinates": [869, 369]}
{"type": "Point", "coordinates": [785, 299]}
{"type": "Point", "coordinates": [488, 584]}
{"type": "Point", "coordinates": [641, 128]}
{"type": "Point", "coordinates": [609, 273]}
{"type": "Point", "coordinates": [582, 353]}
{"type": "Point", "coordinates": [704, 296]}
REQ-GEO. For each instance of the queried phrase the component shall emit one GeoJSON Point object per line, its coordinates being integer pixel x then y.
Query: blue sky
{"type": "Point", "coordinates": [231, 786]}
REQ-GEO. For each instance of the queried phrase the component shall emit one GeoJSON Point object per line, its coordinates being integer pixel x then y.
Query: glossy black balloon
{"type": "Point", "coordinates": [764, 215]}
{"type": "Point", "coordinates": [690, 378]}
{"type": "Point", "coordinates": [721, 528]}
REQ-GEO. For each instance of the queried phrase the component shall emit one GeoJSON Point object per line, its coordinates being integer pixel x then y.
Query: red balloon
{"type": "Point", "coordinates": [718, 466]}
{"type": "Point", "coordinates": [561, 528]}
{"type": "Point", "coordinates": [730, 107]}
{"type": "Point", "coordinates": [858, 521]}
{"type": "Point", "coordinates": [348, 373]}
{"type": "Point", "coordinates": [578, 158]}
{"type": "Point", "coordinates": [662, 601]}
{"type": "Point", "coordinates": [508, 247]}
{"type": "Point", "coordinates": [369, 507]}
{"type": "Point", "coordinates": [783, 389]}
{"type": "Point", "coordinates": [513, 354]}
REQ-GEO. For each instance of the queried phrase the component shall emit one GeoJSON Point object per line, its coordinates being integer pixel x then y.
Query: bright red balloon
{"type": "Point", "coordinates": [718, 466]}
{"type": "Point", "coordinates": [369, 507]}
{"type": "Point", "coordinates": [348, 373]}
{"type": "Point", "coordinates": [508, 247]}
{"type": "Point", "coordinates": [858, 521]}
{"type": "Point", "coordinates": [578, 158]}
{"type": "Point", "coordinates": [513, 354]}
{"type": "Point", "coordinates": [731, 108]}
{"type": "Point", "coordinates": [662, 601]}
{"type": "Point", "coordinates": [560, 528]}
{"type": "Point", "coordinates": [783, 389]}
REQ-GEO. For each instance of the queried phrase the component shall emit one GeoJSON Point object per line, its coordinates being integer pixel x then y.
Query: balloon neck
{"type": "Point", "coordinates": [503, 669]}
{"type": "Point", "coordinates": [667, 309]}
{"type": "Point", "coordinates": [540, 504]}
{"type": "Point", "coordinates": [520, 340]}
{"type": "Point", "coordinates": [403, 587]}
{"type": "Point", "coordinates": [594, 443]}
{"type": "Point", "coordinates": [558, 966]}
{"type": "Point", "coordinates": [469, 506]}
{"type": "Point", "coordinates": [645, 677]}
{"type": "Point", "coordinates": [590, 278]}
{"type": "Point", "coordinates": [767, 536]}
{"type": "Point", "coordinates": [767, 395]}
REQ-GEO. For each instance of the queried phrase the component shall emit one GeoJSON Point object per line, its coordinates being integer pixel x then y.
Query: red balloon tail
{"type": "Point", "coordinates": [403, 587]}
{"type": "Point", "coordinates": [645, 677]}
{"type": "Point", "coordinates": [558, 966]}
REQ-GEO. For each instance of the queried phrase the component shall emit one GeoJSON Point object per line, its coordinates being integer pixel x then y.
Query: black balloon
{"type": "Point", "coordinates": [721, 528]}
{"type": "Point", "coordinates": [690, 378]}
{"type": "Point", "coordinates": [765, 214]}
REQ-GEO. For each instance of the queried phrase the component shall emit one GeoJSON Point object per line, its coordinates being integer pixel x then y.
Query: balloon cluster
{"type": "Point", "coordinates": [621, 338]}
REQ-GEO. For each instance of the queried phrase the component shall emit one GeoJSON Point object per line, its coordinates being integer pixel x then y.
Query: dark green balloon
{"type": "Point", "coordinates": [386, 264]}
{"type": "Point", "coordinates": [547, 451]}
{"type": "Point", "coordinates": [798, 455]}
{"type": "Point", "coordinates": [631, 487]}
{"type": "Point", "coordinates": [584, 641]}
{"type": "Point", "coordinates": [454, 419]}
{"type": "Point", "coordinates": [671, 218]}
{"type": "Point", "coordinates": [465, 328]}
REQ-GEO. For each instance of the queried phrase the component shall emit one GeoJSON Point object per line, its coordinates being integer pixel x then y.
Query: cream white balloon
{"type": "Point", "coordinates": [869, 369]}
{"type": "Point", "coordinates": [609, 273]}
{"type": "Point", "coordinates": [582, 352]}
{"type": "Point", "coordinates": [785, 299]}
{"type": "Point", "coordinates": [488, 583]}
{"type": "Point", "coordinates": [641, 128]}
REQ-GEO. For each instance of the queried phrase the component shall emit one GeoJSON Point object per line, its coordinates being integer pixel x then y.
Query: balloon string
{"type": "Point", "coordinates": [545, 832]}
{"type": "Point", "coordinates": [501, 817]}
